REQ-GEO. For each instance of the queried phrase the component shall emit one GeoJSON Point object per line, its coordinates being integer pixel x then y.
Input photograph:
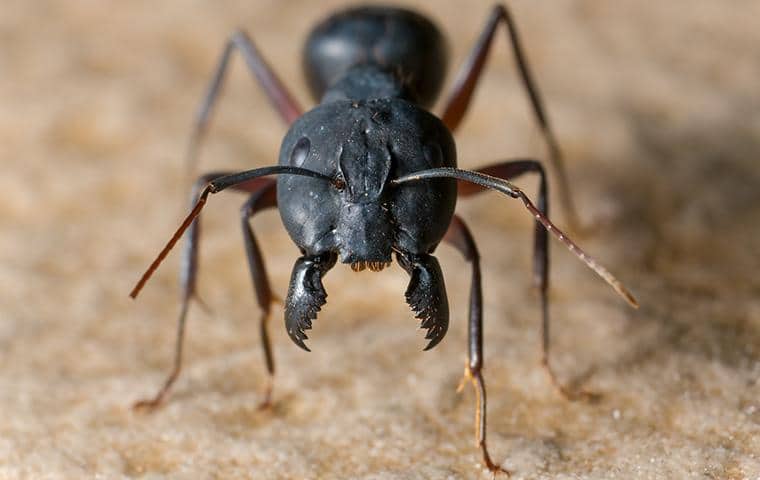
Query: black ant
{"type": "Point", "coordinates": [369, 173]}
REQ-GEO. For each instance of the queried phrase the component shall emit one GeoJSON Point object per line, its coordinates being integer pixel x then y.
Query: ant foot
{"type": "Point", "coordinates": [149, 404]}
{"type": "Point", "coordinates": [568, 393]}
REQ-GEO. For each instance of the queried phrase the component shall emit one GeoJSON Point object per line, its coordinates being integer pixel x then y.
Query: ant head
{"type": "Point", "coordinates": [363, 145]}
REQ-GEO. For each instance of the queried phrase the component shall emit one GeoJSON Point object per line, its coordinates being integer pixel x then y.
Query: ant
{"type": "Point", "coordinates": [369, 173]}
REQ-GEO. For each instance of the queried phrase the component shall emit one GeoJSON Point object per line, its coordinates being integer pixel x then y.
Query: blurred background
{"type": "Point", "coordinates": [656, 106]}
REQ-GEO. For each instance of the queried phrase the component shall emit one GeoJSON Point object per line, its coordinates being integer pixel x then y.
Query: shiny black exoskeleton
{"type": "Point", "coordinates": [370, 173]}
{"type": "Point", "coordinates": [364, 220]}
{"type": "Point", "coordinates": [407, 48]}
{"type": "Point", "coordinates": [374, 69]}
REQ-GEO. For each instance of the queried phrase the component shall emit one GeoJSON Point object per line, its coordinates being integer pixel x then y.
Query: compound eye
{"type": "Point", "coordinates": [300, 152]}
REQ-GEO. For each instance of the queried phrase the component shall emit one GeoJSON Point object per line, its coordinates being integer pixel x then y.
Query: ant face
{"type": "Point", "coordinates": [360, 216]}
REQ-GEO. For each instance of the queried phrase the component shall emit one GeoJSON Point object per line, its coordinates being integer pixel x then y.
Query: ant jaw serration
{"type": "Point", "coordinates": [306, 295]}
{"type": "Point", "coordinates": [426, 307]}
{"type": "Point", "coordinates": [300, 311]}
{"type": "Point", "coordinates": [426, 295]}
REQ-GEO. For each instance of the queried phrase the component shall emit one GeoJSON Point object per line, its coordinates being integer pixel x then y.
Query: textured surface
{"type": "Point", "coordinates": [657, 108]}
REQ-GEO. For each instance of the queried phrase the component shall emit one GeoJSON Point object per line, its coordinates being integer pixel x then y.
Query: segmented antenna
{"type": "Point", "coordinates": [511, 190]}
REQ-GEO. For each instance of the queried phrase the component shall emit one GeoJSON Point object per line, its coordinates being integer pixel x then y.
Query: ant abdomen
{"type": "Point", "coordinates": [399, 41]}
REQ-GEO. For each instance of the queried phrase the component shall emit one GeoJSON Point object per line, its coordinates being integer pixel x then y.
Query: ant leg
{"type": "Point", "coordinates": [466, 81]}
{"type": "Point", "coordinates": [265, 197]}
{"type": "Point", "coordinates": [188, 276]}
{"type": "Point", "coordinates": [509, 170]}
{"type": "Point", "coordinates": [459, 236]}
{"type": "Point", "coordinates": [275, 90]}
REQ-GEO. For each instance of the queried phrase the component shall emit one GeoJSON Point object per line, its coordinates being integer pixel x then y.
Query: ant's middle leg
{"type": "Point", "coordinates": [467, 79]}
{"type": "Point", "coordinates": [276, 91]}
{"type": "Point", "coordinates": [188, 276]}
{"type": "Point", "coordinates": [509, 170]}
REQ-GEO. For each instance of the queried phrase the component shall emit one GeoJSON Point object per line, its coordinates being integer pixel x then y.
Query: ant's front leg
{"type": "Point", "coordinates": [459, 236]}
{"type": "Point", "coordinates": [263, 198]}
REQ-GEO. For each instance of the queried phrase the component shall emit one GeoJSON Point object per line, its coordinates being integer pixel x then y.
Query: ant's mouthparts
{"type": "Point", "coordinates": [373, 266]}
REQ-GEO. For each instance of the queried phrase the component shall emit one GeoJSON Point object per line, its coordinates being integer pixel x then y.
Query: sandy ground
{"type": "Point", "coordinates": [657, 107]}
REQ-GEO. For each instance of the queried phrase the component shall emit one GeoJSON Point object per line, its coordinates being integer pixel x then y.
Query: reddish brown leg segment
{"type": "Point", "coordinates": [467, 80]}
{"type": "Point", "coordinates": [279, 96]}
{"type": "Point", "coordinates": [261, 189]}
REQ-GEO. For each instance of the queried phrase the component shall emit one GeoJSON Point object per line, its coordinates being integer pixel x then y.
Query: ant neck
{"type": "Point", "coordinates": [369, 81]}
